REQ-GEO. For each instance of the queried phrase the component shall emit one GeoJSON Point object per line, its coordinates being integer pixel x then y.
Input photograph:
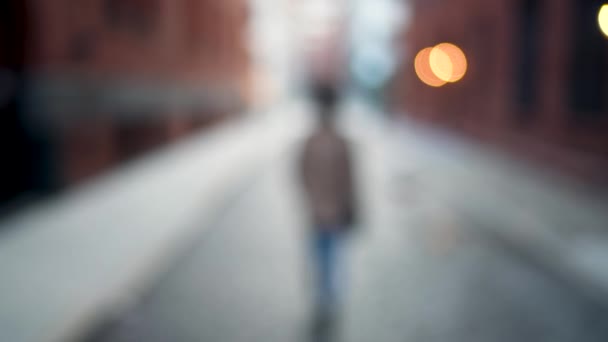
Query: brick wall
{"type": "Point", "coordinates": [111, 79]}
{"type": "Point", "coordinates": [519, 87]}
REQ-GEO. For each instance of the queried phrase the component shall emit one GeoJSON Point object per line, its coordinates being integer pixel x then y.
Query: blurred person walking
{"type": "Point", "coordinates": [327, 178]}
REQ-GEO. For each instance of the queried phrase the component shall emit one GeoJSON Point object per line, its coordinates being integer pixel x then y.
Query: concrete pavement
{"type": "Point", "coordinates": [421, 268]}
{"type": "Point", "coordinates": [71, 261]}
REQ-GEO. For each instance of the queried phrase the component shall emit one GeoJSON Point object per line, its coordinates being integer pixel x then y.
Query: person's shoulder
{"type": "Point", "coordinates": [312, 140]}
{"type": "Point", "coordinates": [314, 137]}
{"type": "Point", "coordinates": [343, 140]}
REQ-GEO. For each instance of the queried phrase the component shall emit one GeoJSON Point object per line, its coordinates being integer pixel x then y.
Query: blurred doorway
{"type": "Point", "coordinates": [16, 146]}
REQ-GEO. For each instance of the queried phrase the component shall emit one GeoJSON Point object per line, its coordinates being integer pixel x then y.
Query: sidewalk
{"type": "Point", "coordinates": [419, 269]}
{"type": "Point", "coordinates": [425, 264]}
{"type": "Point", "coordinates": [550, 218]}
{"type": "Point", "coordinates": [74, 260]}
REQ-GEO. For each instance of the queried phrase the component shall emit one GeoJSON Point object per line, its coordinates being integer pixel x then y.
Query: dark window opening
{"type": "Point", "coordinates": [25, 171]}
{"type": "Point", "coordinates": [587, 87]}
{"type": "Point", "coordinates": [527, 60]}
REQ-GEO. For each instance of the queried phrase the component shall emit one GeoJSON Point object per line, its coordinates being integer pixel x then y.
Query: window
{"type": "Point", "coordinates": [587, 86]}
{"type": "Point", "coordinates": [527, 60]}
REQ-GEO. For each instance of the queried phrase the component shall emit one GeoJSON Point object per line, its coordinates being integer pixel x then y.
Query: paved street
{"type": "Point", "coordinates": [418, 270]}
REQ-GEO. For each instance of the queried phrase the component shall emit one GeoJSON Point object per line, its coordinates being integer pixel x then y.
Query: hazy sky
{"type": "Point", "coordinates": [283, 33]}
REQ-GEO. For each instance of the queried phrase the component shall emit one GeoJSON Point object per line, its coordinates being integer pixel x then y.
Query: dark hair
{"type": "Point", "coordinates": [325, 96]}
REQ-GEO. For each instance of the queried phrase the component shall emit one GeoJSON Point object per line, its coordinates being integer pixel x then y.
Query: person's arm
{"type": "Point", "coordinates": [350, 183]}
{"type": "Point", "coordinates": [304, 164]}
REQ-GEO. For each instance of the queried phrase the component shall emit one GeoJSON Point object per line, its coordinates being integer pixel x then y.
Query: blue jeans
{"type": "Point", "coordinates": [327, 252]}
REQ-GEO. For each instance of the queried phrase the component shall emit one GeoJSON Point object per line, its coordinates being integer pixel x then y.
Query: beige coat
{"type": "Point", "coordinates": [327, 178]}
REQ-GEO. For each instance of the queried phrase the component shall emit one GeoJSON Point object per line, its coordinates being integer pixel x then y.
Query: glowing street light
{"type": "Point", "coordinates": [423, 69]}
{"type": "Point", "coordinates": [439, 65]}
{"type": "Point", "coordinates": [602, 19]}
{"type": "Point", "coordinates": [453, 60]}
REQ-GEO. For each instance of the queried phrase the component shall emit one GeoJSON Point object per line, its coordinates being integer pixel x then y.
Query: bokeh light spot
{"type": "Point", "coordinates": [602, 19]}
{"type": "Point", "coordinates": [441, 64]}
{"type": "Point", "coordinates": [458, 61]}
{"type": "Point", "coordinates": [423, 69]}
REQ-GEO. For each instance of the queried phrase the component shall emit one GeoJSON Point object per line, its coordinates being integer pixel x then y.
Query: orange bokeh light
{"type": "Point", "coordinates": [458, 61]}
{"type": "Point", "coordinates": [423, 69]}
{"type": "Point", "coordinates": [441, 64]}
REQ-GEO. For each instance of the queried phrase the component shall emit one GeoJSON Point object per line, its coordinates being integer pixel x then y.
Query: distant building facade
{"type": "Point", "coordinates": [91, 83]}
{"type": "Point", "coordinates": [537, 80]}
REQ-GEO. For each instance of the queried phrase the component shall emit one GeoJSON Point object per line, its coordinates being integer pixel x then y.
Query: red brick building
{"type": "Point", "coordinates": [537, 79]}
{"type": "Point", "coordinates": [95, 82]}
